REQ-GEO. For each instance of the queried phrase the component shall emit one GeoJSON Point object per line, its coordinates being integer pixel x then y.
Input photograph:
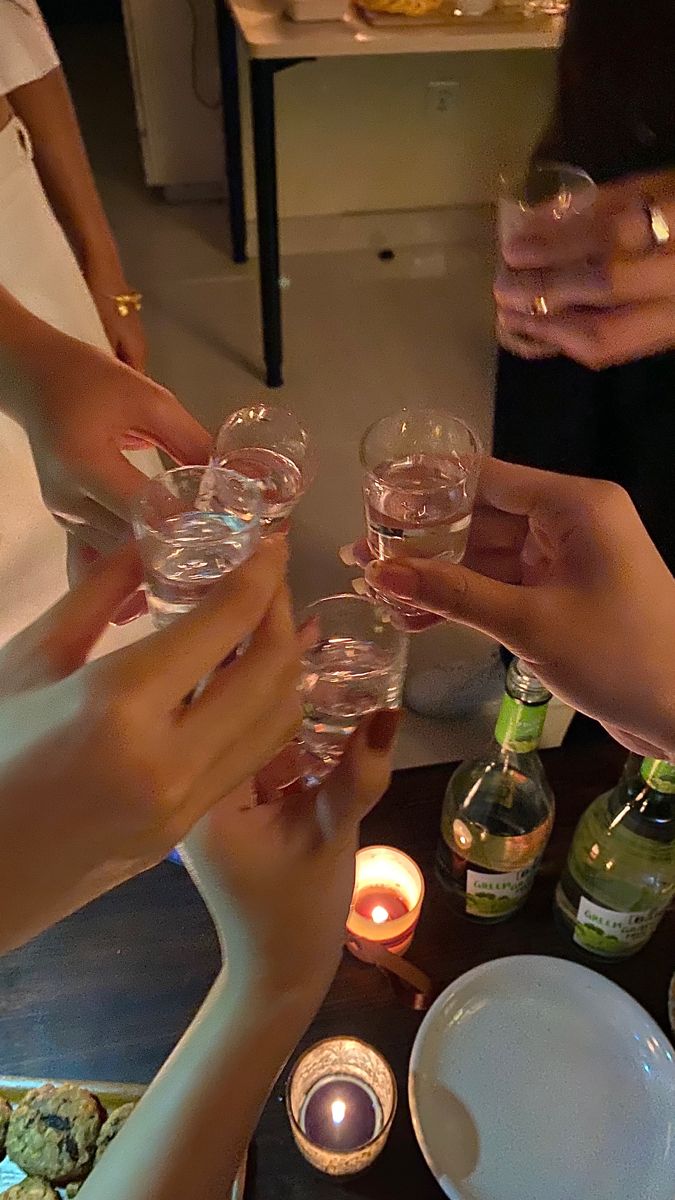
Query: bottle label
{"type": "Point", "coordinates": [497, 895]}
{"type": "Point", "coordinates": [519, 726]}
{"type": "Point", "coordinates": [659, 775]}
{"type": "Point", "coordinates": [603, 931]}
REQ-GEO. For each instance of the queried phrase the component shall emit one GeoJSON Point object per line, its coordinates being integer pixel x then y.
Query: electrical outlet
{"type": "Point", "coordinates": [442, 95]}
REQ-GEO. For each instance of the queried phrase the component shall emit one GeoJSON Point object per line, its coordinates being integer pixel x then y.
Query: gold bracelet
{"type": "Point", "coordinates": [128, 302]}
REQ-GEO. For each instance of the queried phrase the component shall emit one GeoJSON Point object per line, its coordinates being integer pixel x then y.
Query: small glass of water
{"type": "Point", "coordinates": [356, 666]}
{"type": "Point", "coordinates": [193, 525]}
{"type": "Point", "coordinates": [269, 445]}
{"type": "Point", "coordinates": [421, 470]}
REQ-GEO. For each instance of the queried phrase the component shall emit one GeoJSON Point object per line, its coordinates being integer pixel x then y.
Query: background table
{"type": "Point", "coordinates": [107, 993]}
{"type": "Point", "coordinates": [272, 43]}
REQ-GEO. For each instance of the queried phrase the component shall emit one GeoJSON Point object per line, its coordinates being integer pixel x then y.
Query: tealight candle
{"type": "Point", "coordinates": [387, 899]}
{"type": "Point", "coordinates": [341, 1100]}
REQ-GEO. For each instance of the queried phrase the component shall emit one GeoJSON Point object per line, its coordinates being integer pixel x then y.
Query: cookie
{"type": "Point", "coordinates": [30, 1189]}
{"type": "Point", "coordinates": [52, 1132]}
{"type": "Point", "coordinates": [112, 1126]}
{"type": "Point", "coordinates": [5, 1114]}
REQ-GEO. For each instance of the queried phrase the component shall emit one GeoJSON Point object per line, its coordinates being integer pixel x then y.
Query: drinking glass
{"type": "Point", "coordinates": [546, 8]}
{"type": "Point", "coordinates": [193, 525]}
{"type": "Point", "coordinates": [268, 444]}
{"type": "Point", "coordinates": [537, 197]}
{"type": "Point", "coordinates": [420, 475]}
{"type": "Point", "coordinates": [355, 666]}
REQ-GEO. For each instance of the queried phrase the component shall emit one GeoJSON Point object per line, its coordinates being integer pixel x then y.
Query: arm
{"type": "Point", "coordinates": [61, 159]}
{"type": "Point", "coordinates": [255, 867]}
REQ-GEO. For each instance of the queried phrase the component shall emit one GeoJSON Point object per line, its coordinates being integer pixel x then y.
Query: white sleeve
{"type": "Point", "coordinates": [27, 52]}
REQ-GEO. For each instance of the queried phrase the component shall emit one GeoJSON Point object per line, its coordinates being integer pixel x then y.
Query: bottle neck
{"type": "Point", "coordinates": [520, 724]}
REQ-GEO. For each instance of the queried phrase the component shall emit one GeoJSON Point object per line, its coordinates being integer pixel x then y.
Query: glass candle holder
{"type": "Point", "coordinates": [387, 898]}
{"type": "Point", "coordinates": [269, 445]}
{"type": "Point", "coordinates": [341, 1101]}
{"type": "Point", "coordinates": [193, 525]}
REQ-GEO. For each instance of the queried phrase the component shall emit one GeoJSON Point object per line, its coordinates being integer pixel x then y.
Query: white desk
{"type": "Point", "coordinates": [272, 43]}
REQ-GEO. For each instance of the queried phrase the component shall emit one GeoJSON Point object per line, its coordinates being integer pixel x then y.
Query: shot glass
{"type": "Point", "coordinates": [356, 666]}
{"type": "Point", "coordinates": [421, 470]}
{"type": "Point", "coordinates": [193, 525]}
{"type": "Point", "coordinates": [269, 445]}
{"type": "Point", "coordinates": [535, 199]}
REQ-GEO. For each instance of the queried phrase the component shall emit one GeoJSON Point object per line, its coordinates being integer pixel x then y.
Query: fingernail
{"type": "Point", "coordinates": [346, 555]}
{"type": "Point", "coordinates": [382, 727]}
{"type": "Point", "coordinates": [360, 587]}
{"type": "Point", "coordinates": [393, 577]}
{"type": "Point", "coordinates": [131, 608]}
{"type": "Point", "coordinates": [308, 633]}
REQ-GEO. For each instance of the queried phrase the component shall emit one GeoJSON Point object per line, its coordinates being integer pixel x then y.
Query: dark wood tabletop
{"type": "Point", "coordinates": [106, 994]}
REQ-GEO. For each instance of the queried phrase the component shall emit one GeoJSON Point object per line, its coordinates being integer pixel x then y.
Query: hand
{"type": "Point", "coordinates": [278, 877]}
{"type": "Point", "coordinates": [609, 291]}
{"type": "Point", "coordinates": [359, 554]}
{"type": "Point", "coordinates": [103, 767]}
{"type": "Point", "coordinates": [563, 573]}
{"type": "Point", "coordinates": [88, 408]}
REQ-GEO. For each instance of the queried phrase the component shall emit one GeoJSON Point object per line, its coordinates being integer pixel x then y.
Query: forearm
{"type": "Point", "coordinates": [61, 159]}
{"type": "Point", "coordinates": [190, 1131]}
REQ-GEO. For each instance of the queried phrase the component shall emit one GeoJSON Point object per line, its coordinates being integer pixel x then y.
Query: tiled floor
{"type": "Point", "coordinates": [363, 337]}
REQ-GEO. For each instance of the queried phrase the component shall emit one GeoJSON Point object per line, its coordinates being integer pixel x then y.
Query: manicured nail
{"type": "Point", "coordinates": [346, 555]}
{"type": "Point", "coordinates": [393, 577]}
{"type": "Point", "coordinates": [382, 728]}
{"type": "Point", "coordinates": [360, 586]}
{"type": "Point", "coordinates": [309, 632]}
{"type": "Point", "coordinates": [131, 608]}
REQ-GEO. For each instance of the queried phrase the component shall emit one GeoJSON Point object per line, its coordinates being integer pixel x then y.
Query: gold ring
{"type": "Point", "coordinates": [658, 224]}
{"type": "Point", "coordinates": [539, 307]}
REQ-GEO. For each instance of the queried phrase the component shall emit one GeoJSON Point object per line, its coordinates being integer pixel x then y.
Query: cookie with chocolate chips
{"type": "Point", "coordinates": [30, 1189]}
{"type": "Point", "coordinates": [52, 1132]}
{"type": "Point", "coordinates": [112, 1126]}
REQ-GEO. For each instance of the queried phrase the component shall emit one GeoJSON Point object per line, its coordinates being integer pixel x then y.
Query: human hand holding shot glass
{"type": "Point", "coordinates": [194, 525]}
{"type": "Point", "coordinates": [355, 666]}
{"type": "Point", "coordinates": [533, 203]}
{"type": "Point", "coordinates": [269, 445]}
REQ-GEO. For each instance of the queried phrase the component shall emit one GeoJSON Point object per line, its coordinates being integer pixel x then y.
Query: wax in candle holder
{"type": "Point", "coordinates": [341, 1100]}
{"type": "Point", "coordinates": [387, 899]}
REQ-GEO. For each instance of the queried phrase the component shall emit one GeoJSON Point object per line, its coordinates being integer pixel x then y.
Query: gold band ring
{"type": "Point", "coordinates": [539, 307]}
{"type": "Point", "coordinates": [658, 224]}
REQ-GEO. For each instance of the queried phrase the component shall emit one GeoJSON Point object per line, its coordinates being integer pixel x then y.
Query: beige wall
{"type": "Point", "coordinates": [360, 135]}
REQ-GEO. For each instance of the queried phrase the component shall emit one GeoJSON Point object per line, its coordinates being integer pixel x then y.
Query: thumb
{"type": "Point", "coordinates": [504, 611]}
{"type": "Point", "coordinates": [59, 642]}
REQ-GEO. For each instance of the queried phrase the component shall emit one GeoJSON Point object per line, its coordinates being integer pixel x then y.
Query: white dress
{"type": "Point", "coordinates": [39, 268]}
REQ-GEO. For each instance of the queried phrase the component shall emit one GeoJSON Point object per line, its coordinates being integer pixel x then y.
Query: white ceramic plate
{"type": "Point", "coordinates": [532, 1078]}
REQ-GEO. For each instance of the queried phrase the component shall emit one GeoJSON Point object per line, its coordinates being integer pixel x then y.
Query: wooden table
{"type": "Point", "coordinates": [271, 43]}
{"type": "Point", "coordinates": [107, 993]}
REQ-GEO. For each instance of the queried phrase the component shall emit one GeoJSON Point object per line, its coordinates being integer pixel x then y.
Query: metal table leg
{"type": "Point", "coordinates": [229, 76]}
{"type": "Point", "coordinates": [264, 148]}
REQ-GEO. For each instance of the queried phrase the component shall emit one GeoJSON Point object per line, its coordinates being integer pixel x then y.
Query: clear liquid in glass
{"type": "Point", "coordinates": [280, 478]}
{"type": "Point", "coordinates": [194, 551]}
{"type": "Point", "coordinates": [418, 506]}
{"type": "Point", "coordinates": [344, 679]}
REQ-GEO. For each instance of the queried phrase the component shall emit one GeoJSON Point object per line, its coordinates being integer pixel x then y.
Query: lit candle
{"type": "Point", "coordinates": [341, 1100]}
{"type": "Point", "coordinates": [387, 899]}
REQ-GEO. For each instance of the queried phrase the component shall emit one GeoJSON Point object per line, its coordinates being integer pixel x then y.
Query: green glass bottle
{"type": "Point", "coordinates": [620, 873]}
{"type": "Point", "coordinates": [498, 810]}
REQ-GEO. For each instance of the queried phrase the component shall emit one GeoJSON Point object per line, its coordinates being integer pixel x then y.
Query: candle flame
{"type": "Point", "coordinates": [379, 914]}
{"type": "Point", "coordinates": [338, 1111]}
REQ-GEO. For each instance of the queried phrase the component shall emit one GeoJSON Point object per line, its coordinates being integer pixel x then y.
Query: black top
{"type": "Point", "coordinates": [615, 109]}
